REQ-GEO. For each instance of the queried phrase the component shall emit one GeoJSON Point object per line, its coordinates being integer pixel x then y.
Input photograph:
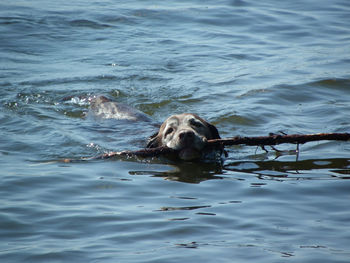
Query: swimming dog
{"type": "Point", "coordinates": [188, 133]}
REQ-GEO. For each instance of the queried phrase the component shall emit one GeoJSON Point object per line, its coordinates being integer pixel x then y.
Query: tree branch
{"type": "Point", "coordinates": [272, 139]}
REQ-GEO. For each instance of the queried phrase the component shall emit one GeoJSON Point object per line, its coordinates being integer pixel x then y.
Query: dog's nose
{"type": "Point", "coordinates": [186, 135]}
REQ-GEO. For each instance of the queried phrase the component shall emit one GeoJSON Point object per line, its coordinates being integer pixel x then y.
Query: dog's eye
{"type": "Point", "coordinates": [168, 131]}
{"type": "Point", "coordinates": [195, 123]}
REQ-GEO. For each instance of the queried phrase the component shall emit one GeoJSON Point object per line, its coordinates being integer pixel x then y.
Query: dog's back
{"type": "Point", "coordinates": [104, 108]}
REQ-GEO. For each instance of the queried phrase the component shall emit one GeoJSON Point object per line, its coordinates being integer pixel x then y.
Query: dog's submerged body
{"type": "Point", "coordinates": [188, 133]}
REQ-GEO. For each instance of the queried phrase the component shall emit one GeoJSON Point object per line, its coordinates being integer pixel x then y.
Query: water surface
{"type": "Point", "coordinates": [250, 68]}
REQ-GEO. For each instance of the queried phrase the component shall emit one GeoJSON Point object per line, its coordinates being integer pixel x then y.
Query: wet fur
{"type": "Point", "coordinates": [185, 132]}
{"type": "Point", "coordinates": [156, 139]}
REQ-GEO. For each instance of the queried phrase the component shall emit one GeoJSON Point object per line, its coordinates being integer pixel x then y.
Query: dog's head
{"type": "Point", "coordinates": [187, 133]}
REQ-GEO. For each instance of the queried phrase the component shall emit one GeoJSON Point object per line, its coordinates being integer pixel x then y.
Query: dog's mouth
{"type": "Point", "coordinates": [191, 149]}
{"type": "Point", "coordinates": [189, 153]}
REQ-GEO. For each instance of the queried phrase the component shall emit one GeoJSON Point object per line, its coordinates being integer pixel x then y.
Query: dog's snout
{"type": "Point", "coordinates": [186, 135]}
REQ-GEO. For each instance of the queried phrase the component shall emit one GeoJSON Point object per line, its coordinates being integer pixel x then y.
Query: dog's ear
{"type": "Point", "coordinates": [153, 141]}
{"type": "Point", "coordinates": [214, 132]}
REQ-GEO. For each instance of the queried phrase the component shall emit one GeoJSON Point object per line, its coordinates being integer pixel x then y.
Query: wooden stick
{"type": "Point", "coordinates": [272, 139]}
{"type": "Point", "coordinates": [143, 153]}
{"type": "Point", "coordinates": [275, 139]}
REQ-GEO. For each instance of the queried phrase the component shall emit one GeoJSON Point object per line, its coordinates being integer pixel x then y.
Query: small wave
{"type": "Point", "coordinates": [88, 24]}
{"type": "Point", "coordinates": [78, 100]}
{"type": "Point", "coordinates": [333, 83]}
{"type": "Point", "coordinates": [13, 20]}
{"type": "Point", "coordinates": [58, 81]}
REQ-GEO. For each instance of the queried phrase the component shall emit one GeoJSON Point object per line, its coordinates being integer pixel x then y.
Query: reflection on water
{"type": "Point", "coordinates": [189, 172]}
{"type": "Point", "coordinates": [313, 169]}
{"type": "Point", "coordinates": [295, 170]}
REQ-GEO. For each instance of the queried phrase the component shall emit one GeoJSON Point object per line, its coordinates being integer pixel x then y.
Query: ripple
{"type": "Point", "coordinates": [182, 208]}
{"type": "Point", "coordinates": [88, 23]}
{"type": "Point", "coordinates": [61, 81]}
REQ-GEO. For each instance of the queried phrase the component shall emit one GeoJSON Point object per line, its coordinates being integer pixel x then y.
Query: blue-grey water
{"type": "Point", "coordinates": [249, 67]}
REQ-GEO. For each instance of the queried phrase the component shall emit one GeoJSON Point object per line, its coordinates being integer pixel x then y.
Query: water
{"type": "Point", "coordinates": [248, 67]}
